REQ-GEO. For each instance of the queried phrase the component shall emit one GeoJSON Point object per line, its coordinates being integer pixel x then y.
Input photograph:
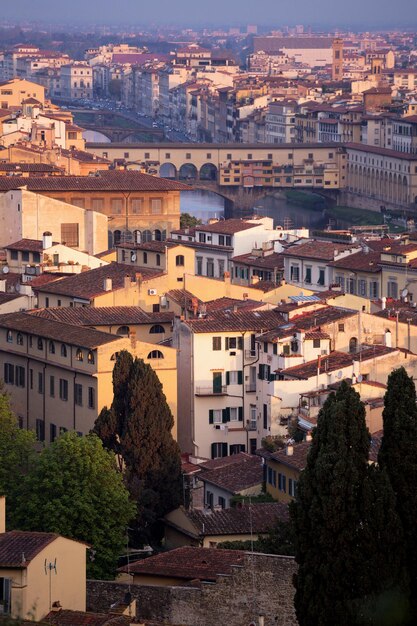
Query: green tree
{"type": "Point", "coordinates": [17, 453]}
{"type": "Point", "coordinates": [188, 221]}
{"type": "Point", "coordinates": [332, 516]}
{"type": "Point", "coordinates": [137, 427]}
{"type": "Point", "coordinates": [398, 456]}
{"type": "Point", "coordinates": [76, 490]}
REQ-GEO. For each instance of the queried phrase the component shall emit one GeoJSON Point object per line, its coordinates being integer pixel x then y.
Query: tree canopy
{"type": "Point", "coordinates": [137, 427]}
{"type": "Point", "coordinates": [75, 489]}
{"type": "Point", "coordinates": [188, 221]}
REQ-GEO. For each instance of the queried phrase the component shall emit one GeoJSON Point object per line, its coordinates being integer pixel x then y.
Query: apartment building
{"type": "Point", "coordinates": [76, 81]}
{"type": "Point", "coordinates": [14, 91]}
{"type": "Point", "coordinates": [280, 122]}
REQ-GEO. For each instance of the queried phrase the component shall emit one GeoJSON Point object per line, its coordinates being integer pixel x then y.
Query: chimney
{"type": "Point", "coordinates": [226, 277]}
{"type": "Point", "coordinates": [290, 450]}
{"type": "Point", "coordinates": [308, 436]}
{"type": "Point", "coordinates": [2, 514]}
{"type": "Point", "coordinates": [383, 303]}
{"type": "Point", "coordinates": [127, 281]}
{"type": "Point", "coordinates": [138, 278]}
{"type": "Point", "coordinates": [108, 284]}
{"type": "Point", "coordinates": [46, 240]}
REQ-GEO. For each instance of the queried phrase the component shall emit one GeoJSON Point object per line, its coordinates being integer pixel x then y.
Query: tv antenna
{"type": "Point", "coordinates": [49, 568]}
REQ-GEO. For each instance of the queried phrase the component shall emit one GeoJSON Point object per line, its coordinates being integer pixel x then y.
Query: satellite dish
{"type": "Point", "coordinates": [6, 269]}
{"type": "Point", "coordinates": [133, 257]}
{"type": "Point", "coordinates": [339, 374]}
{"type": "Point", "coordinates": [360, 378]}
{"type": "Point", "coordinates": [404, 293]}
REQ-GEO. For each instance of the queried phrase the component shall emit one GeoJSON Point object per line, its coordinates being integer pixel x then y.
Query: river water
{"type": "Point", "coordinates": [206, 204]}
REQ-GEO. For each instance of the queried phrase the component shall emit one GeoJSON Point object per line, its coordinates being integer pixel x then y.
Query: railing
{"type": "Point", "coordinates": [210, 391]}
{"type": "Point", "coordinates": [251, 424]}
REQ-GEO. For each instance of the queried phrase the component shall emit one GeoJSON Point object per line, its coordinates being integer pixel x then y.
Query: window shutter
{"type": "Point", "coordinates": [240, 377]}
{"type": "Point", "coordinates": [224, 449]}
{"type": "Point", "coordinates": [225, 415]}
{"type": "Point", "coordinates": [226, 343]}
{"type": "Point", "coordinates": [240, 343]}
{"type": "Point", "coordinates": [227, 378]}
{"type": "Point", "coordinates": [241, 414]}
{"type": "Point", "coordinates": [213, 450]}
{"type": "Point", "coordinates": [211, 416]}
{"type": "Point", "coordinates": [261, 372]}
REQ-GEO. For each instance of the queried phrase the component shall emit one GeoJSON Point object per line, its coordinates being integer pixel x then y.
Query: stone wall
{"type": "Point", "coordinates": [262, 586]}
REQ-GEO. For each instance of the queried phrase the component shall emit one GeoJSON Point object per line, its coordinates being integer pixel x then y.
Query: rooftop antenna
{"type": "Point", "coordinates": [49, 568]}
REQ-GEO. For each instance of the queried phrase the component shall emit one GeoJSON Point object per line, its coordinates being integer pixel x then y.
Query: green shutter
{"type": "Point", "coordinates": [225, 415]}
{"type": "Point", "coordinates": [224, 446]}
{"type": "Point", "coordinates": [240, 343]}
{"type": "Point", "coordinates": [211, 416]}
{"type": "Point", "coordinates": [213, 450]}
{"type": "Point", "coordinates": [240, 377]}
{"type": "Point", "coordinates": [240, 414]}
{"type": "Point", "coordinates": [227, 378]}
{"type": "Point", "coordinates": [226, 343]}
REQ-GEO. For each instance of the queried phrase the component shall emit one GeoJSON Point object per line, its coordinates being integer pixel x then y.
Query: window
{"type": "Point", "coordinates": [308, 276]}
{"type": "Point", "coordinates": [265, 416]}
{"type": "Point", "coordinates": [145, 258]}
{"type": "Point", "coordinates": [78, 394]}
{"type": "Point", "coordinates": [69, 235]}
{"type": "Point", "coordinates": [271, 477]}
{"type": "Point", "coordinates": [157, 329]}
{"type": "Point", "coordinates": [51, 347]}
{"type": "Point", "coordinates": [210, 268]}
{"type": "Point", "coordinates": [40, 382]}
{"type": "Point", "coordinates": [90, 358]}
{"type": "Point", "coordinates": [97, 204]}
{"type": "Point", "coordinates": [20, 376]}
{"type": "Point", "coordinates": [116, 205]}
{"type": "Point", "coordinates": [237, 448]}
{"type": "Point", "coordinates": [199, 262]}
{"type": "Point", "coordinates": [179, 260]}
{"type": "Point", "coordinates": [234, 413]}
{"type": "Point", "coordinates": [91, 398]}
{"type": "Point", "coordinates": [316, 343]}
{"type": "Point", "coordinates": [9, 336]}
{"type": "Point", "coordinates": [216, 416]}
{"type": "Point", "coordinates": [40, 430]}
{"type": "Point", "coordinates": [79, 355]}
{"type": "Point", "coordinates": [292, 487]}
{"type": "Point", "coordinates": [217, 343]}
{"type": "Point", "coordinates": [234, 377]}
{"type": "Point", "coordinates": [341, 328]}
{"type": "Point", "coordinates": [353, 345]}
{"type": "Point", "coordinates": [202, 237]}
{"type": "Point", "coordinates": [234, 343]}
{"type": "Point", "coordinates": [392, 288]}
{"type": "Point", "coordinates": [282, 482]}
{"type": "Point", "coordinates": [52, 386]}
{"type": "Point", "coordinates": [52, 432]}
{"type": "Point", "coordinates": [156, 206]}
{"type": "Point", "coordinates": [63, 389]}
{"type": "Point", "coordinates": [222, 501]}
{"type": "Point", "coordinates": [295, 273]}
{"type": "Point", "coordinates": [362, 288]}
{"type": "Point", "coordinates": [321, 276]}
{"type": "Point", "coordinates": [64, 350]}
{"type": "Point", "coordinates": [79, 202]}
{"type": "Point", "coordinates": [123, 331]}
{"type": "Point", "coordinates": [14, 255]}
{"type": "Point", "coordinates": [218, 450]}
{"type": "Point", "coordinates": [9, 373]}
{"type": "Point", "coordinates": [47, 301]}
{"type": "Point", "coordinates": [158, 259]}
{"type": "Point", "coordinates": [373, 289]}
{"type": "Point", "coordinates": [155, 354]}
{"type": "Point", "coordinates": [265, 347]}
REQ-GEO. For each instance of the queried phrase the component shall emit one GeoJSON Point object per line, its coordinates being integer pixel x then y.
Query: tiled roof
{"type": "Point", "coordinates": [103, 316]}
{"type": "Point", "coordinates": [335, 361]}
{"type": "Point", "coordinates": [407, 156]}
{"type": "Point", "coordinates": [226, 227]}
{"type": "Point", "coordinates": [246, 472]}
{"type": "Point", "coordinates": [269, 261]}
{"type": "Point", "coordinates": [310, 321]}
{"type": "Point", "coordinates": [230, 304]}
{"type": "Point", "coordinates": [376, 441]}
{"type": "Point", "coordinates": [189, 563]}
{"type": "Point", "coordinates": [31, 245]}
{"type": "Point", "coordinates": [107, 180]}
{"type": "Point", "coordinates": [360, 262]}
{"type": "Point", "coordinates": [236, 322]}
{"type": "Point", "coordinates": [90, 284]}
{"type": "Point", "coordinates": [298, 459]}
{"type": "Point", "coordinates": [66, 617]}
{"type": "Point", "coordinates": [29, 167]}
{"type": "Point", "coordinates": [150, 246]}
{"type": "Point", "coordinates": [18, 548]}
{"type": "Point", "coordinates": [259, 518]}
{"type": "Point", "coordinates": [183, 297]}
{"type": "Point", "coordinates": [57, 331]}
{"type": "Point", "coordinates": [323, 250]}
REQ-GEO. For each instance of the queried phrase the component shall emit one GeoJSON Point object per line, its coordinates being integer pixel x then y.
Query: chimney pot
{"type": "Point", "coordinates": [290, 450]}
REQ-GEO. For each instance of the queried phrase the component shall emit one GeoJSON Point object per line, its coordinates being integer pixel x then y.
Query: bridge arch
{"type": "Point", "coordinates": [208, 171]}
{"type": "Point", "coordinates": [168, 170]}
{"type": "Point", "coordinates": [188, 171]}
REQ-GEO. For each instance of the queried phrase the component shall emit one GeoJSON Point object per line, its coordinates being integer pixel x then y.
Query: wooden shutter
{"type": "Point", "coordinates": [240, 414]}
{"type": "Point", "coordinates": [227, 378]}
{"type": "Point", "coordinates": [211, 416]}
{"type": "Point", "coordinates": [224, 449]}
{"type": "Point", "coordinates": [240, 377]}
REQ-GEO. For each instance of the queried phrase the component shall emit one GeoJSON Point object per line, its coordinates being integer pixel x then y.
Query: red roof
{"type": "Point", "coordinates": [18, 548]}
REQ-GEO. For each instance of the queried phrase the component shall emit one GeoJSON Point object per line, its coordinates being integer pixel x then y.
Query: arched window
{"type": "Point", "coordinates": [9, 336]}
{"type": "Point", "coordinates": [146, 236]}
{"type": "Point", "coordinates": [179, 260]}
{"type": "Point", "coordinates": [157, 329]}
{"type": "Point", "coordinates": [40, 343]}
{"type": "Point", "coordinates": [90, 357]}
{"type": "Point", "coordinates": [157, 235]}
{"type": "Point", "coordinates": [19, 339]}
{"type": "Point", "coordinates": [51, 347]}
{"type": "Point", "coordinates": [64, 350]}
{"type": "Point", "coordinates": [79, 355]}
{"type": "Point", "coordinates": [117, 236]}
{"type": "Point", "coordinates": [164, 235]}
{"type": "Point", "coordinates": [137, 236]}
{"type": "Point", "coordinates": [155, 354]}
{"type": "Point", "coordinates": [353, 345]}
{"type": "Point", "coordinates": [123, 331]}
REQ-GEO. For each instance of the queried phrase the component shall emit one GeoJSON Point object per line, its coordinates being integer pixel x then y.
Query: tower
{"type": "Point", "coordinates": [337, 65]}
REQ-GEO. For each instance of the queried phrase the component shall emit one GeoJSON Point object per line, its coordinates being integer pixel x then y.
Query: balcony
{"type": "Point", "coordinates": [250, 388]}
{"type": "Point", "coordinates": [211, 391]}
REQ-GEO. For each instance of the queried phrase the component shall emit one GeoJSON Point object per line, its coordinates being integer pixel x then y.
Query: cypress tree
{"type": "Point", "coordinates": [137, 427]}
{"type": "Point", "coordinates": [398, 456]}
{"type": "Point", "coordinates": [328, 515]}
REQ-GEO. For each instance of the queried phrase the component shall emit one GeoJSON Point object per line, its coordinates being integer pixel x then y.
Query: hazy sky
{"type": "Point", "coordinates": [365, 14]}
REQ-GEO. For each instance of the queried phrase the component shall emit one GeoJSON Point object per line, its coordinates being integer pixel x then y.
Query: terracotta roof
{"type": "Point", "coordinates": [335, 361]}
{"type": "Point", "coordinates": [310, 321]}
{"type": "Point", "coordinates": [297, 460]}
{"type": "Point", "coordinates": [90, 284]}
{"type": "Point", "coordinates": [381, 151]}
{"type": "Point", "coordinates": [57, 331]}
{"type": "Point", "coordinates": [236, 322]}
{"type": "Point", "coordinates": [102, 316]}
{"type": "Point", "coordinates": [29, 167]}
{"type": "Point", "coordinates": [360, 262]}
{"type": "Point", "coordinates": [376, 441]}
{"type": "Point", "coordinates": [269, 261]}
{"type": "Point", "coordinates": [183, 297]}
{"type": "Point", "coordinates": [245, 473]}
{"type": "Point", "coordinates": [31, 245]}
{"type": "Point", "coordinates": [66, 617]}
{"type": "Point", "coordinates": [106, 180]}
{"type": "Point", "coordinates": [18, 548]}
{"type": "Point", "coordinates": [226, 227]}
{"type": "Point", "coordinates": [230, 304]}
{"type": "Point", "coordinates": [189, 563]}
{"type": "Point", "coordinates": [325, 250]}
{"type": "Point", "coordinates": [151, 246]}
{"type": "Point", "coordinates": [259, 518]}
